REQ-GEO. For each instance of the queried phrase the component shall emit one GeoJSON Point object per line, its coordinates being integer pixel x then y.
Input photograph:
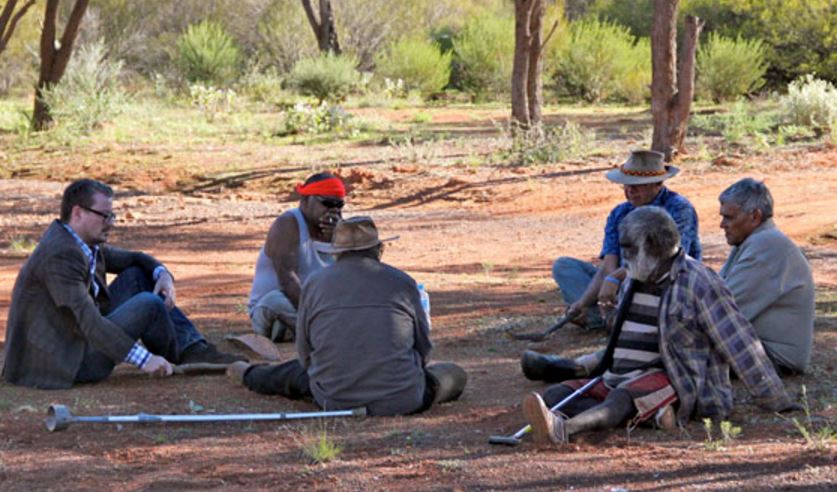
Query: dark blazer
{"type": "Point", "coordinates": [53, 315]}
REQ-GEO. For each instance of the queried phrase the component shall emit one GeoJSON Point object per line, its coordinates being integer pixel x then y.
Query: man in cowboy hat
{"type": "Point", "coordinates": [583, 284]}
{"type": "Point", "coordinates": [363, 339]}
{"type": "Point", "coordinates": [641, 177]}
{"type": "Point", "coordinates": [291, 253]}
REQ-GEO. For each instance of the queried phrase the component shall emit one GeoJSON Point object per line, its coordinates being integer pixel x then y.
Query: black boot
{"type": "Point", "coordinates": [549, 368]}
{"type": "Point", "coordinates": [205, 352]}
{"type": "Point", "coordinates": [449, 380]}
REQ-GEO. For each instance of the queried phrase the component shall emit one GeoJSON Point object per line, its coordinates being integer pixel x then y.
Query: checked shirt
{"type": "Point", "coordinates": [702, 335]}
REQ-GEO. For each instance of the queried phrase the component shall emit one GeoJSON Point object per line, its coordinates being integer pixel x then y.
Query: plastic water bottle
{"type": "Point", "coordinates": [425, 302]}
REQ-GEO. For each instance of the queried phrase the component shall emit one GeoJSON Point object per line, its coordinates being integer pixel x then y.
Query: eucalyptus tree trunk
{"type": "Point", "coordinates": [324, 28]}
{"type": "Point", "coordinates": [672, 87]}
{"type": "Point", "coordinates": [54, 56]}
{"type": "Point", "coordinates": [527, 87]}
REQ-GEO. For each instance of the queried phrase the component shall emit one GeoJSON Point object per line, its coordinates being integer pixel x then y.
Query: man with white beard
{"type": "Point", "coordinates": [677, 334]}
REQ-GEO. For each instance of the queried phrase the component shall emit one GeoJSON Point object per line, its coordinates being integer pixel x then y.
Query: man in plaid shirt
{"type": "Point", "coordinates": [701, 335]}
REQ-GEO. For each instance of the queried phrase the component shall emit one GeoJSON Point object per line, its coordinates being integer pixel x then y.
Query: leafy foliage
{"type": "Point", "coordinates": [90, 93]}
{"type": "Point", "coordinates": [798, 35]}
{"type": "Point", "coordinates": [811, 102]}
{"type": "Point", "coordinates": [212, 101]}
{"type": "Point", "coordinates": [326, 77]}
{"type": "Point", "coordinates": [484, 51]}
{"type": "Point", "coordinates": [303, 118]}
{"type": "Point", "coordinates": [601, 60]}
{"type": "Point", "coordinates": [284, 36]}
{"type": "Point", "coordinates": [419, 63]}
{"type": "Point", "coordinates": [728, 68]}
{"type": "Point", "coordinates": [565, 141]}
{"type": "Point", "coordinates": [738, 123]}
{"type": "Point", "coordinates": [207, 53]}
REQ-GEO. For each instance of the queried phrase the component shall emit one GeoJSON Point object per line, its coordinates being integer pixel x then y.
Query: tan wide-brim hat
{"type": "Point", "coordinates": [354, 234]}
{"type": "Point", "coordinates": [642, 167]}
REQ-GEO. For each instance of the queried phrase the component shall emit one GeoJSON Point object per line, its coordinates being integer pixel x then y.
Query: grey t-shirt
{"type": "Point", "coordinates": [363, 337]}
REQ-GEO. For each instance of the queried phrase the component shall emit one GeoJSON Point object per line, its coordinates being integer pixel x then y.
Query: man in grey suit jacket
{"type": "Point", "coordinates": [768, 275]}
{"type": "Point", "coordinates": [66, 325]}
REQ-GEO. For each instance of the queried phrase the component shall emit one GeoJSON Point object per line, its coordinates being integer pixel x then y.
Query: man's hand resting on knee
{"type": "Point", "coordinates": [165, 287]}
{"type": "Point", "coordinates": [157, 367]}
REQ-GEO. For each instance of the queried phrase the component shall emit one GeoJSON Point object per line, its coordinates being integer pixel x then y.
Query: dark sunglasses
{"type": "Point", "coordinates": [108, 216]}
{"type": "Point", "coordinates": [330, 202]}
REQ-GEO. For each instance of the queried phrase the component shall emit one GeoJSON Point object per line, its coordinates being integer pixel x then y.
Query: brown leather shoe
{"type": "Point", "coordinates": [547, 428]}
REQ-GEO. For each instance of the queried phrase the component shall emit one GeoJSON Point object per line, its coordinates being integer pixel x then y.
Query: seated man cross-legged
{"type": "Point", "coordinates": [642, 176]}
{"type": "Point", "coordinates": [291, 253]}
{"type": "Point", "coordinates": [362, 337]}
{"type": "Point", "coordinates": [678, 333]}
{"type": "Point", "coordinates": [67, 325]}
{"type": "Point", "coordinates": [768, 275]}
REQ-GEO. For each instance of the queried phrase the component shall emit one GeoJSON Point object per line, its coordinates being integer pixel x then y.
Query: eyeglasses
{"type": "Point", "coordinates": [330, 202]}
{"type": "Point", "coordinates": [108, 216]}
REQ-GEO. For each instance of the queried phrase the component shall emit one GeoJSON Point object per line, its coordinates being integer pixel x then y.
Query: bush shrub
{"type": "Point", "coordinates": [728, 68]}
{"type": "Point", "coordinates": [212, 101]}
{"type": "Point", "coordinates": [90, 93]}
{"type": "Point", "coordinates": [567, 140]}
{"type": "Point", "coordinates": [265, 86]}
{"type": "Point", "coordinates": [599, 60]}
{"type": "Point", "coordinates": [484, 52]}
{"type": "Point", "coordinates": [206, 53]}
{"type": "Point", "coordinates": [303, 118]}
{"type": "Point", "coordinates": [419, 63]}
{"type": "Point", "coordinates": [327, 77]}
{"type": "Point", "coordinates": [811, 102]}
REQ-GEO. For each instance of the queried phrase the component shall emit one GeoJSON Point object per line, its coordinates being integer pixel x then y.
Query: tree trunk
{"type": "Point", "coordinates": [685, 85]}
{"type": "Point", "coordinates": [663, 66]}
{"type": "Point", "coordinates": [8, 22]}
{"type": "Point", "coordinates": [324, 29]}
{"type": "Point", "coordinates": [534, 88]}
{"type": "Point", "coordinates": [54, 58]}
{"type": "Point", "coordinates": [520, 68]}
{"type": "Point", "coordinates": [671, 91]}
{"type": "Point", "coordinates": [527, 94]}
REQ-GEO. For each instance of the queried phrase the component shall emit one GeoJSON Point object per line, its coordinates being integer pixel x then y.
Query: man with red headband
{"type": "Point", "coordinates": [291, 253]}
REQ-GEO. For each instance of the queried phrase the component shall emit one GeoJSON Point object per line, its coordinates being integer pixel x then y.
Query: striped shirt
{"type": "Point", "coordinates": [637, 348]}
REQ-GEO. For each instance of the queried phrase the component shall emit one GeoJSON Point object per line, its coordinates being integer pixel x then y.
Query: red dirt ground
{"type": "Point", "coordinates": [482, 240]}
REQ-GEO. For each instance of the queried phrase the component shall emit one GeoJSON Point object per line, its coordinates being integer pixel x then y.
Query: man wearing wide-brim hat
{"type": "Point", "coordinates": [362, 336]}
{"type": "Point", "coordinates": [584, 285]}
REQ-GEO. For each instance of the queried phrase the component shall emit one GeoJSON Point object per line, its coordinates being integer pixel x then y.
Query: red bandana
{"type": "Point", "coordinates": [326, 187]}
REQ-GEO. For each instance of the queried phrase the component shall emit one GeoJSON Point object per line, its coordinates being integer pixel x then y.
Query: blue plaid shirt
{"type": "Point", "coordinates": [678, 207]}
{"type": "Point", "coordinates": [702, 336]}
{"type": "Point", "coordinates": [138, 355]}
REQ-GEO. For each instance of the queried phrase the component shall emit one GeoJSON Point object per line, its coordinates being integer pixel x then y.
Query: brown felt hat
{"type": "Point", "coordinates": [642, 167]}
{"type": "Point", "coordinates": [354, 234]}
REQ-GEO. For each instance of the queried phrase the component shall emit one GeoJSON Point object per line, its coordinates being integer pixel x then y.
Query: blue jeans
{"type": "Point", "coordinates": [142, 316]}
{"type": "Point", "coordinates": [573, 276]}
